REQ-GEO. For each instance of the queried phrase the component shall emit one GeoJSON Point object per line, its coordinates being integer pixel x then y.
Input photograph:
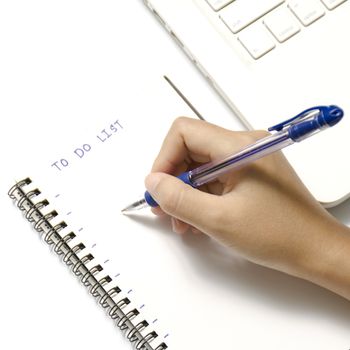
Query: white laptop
{"type": "Point", "coordinates": [271, 59]}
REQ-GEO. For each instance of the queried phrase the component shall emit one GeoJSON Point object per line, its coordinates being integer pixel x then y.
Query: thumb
{"type": "Point", "coordinates": [180, 200]}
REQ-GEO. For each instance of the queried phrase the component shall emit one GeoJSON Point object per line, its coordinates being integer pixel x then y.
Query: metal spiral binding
{"type": "Point", "coordinates": [97, 287]}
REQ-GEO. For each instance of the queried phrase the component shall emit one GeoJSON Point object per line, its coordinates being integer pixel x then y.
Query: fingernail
{"type": "Point", "coordinates": [176, 226]}
{"type": "Point", "coordinates": [173, 224]}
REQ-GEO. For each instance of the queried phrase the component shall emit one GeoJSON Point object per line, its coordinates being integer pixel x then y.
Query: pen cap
{"type": "Point", "coordinates": [321, 118]}
{"type": "Point", "coordinates": [332, 115]}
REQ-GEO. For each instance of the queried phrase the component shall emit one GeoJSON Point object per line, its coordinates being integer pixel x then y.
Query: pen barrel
{"type": "Point", "coordinates": [211, 171]}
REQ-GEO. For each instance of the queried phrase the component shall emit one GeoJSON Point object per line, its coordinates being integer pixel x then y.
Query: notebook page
{"type": "Point", "coordinates": [126, 141]}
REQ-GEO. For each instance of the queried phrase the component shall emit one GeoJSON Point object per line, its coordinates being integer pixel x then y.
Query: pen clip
{"type": "Point", "coordinates": [301, 116]}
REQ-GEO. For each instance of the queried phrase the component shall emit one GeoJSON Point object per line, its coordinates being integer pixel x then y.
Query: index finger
{"type": "Point", "coordinates": [195, 139]}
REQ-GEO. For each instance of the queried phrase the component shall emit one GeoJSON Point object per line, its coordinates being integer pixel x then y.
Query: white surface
{"type": "Point", "coordinates": [60, 85]}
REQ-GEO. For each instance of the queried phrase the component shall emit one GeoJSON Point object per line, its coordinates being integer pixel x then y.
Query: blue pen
{"type": "Point", "coordinates": [296, 129]}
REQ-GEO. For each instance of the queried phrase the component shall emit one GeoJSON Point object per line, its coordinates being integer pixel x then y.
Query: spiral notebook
{"type": "Point", "coordinates": [82, 267]}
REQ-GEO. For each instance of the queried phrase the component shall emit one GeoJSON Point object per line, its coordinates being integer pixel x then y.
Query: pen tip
{"type": "Point", "coordinates": [135, 206]}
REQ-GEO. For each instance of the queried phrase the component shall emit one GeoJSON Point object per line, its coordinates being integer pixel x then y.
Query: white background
{"type": "Point", "coordinates": [39, 41]}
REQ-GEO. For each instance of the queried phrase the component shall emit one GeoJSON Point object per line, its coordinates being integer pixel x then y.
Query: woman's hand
{"type": "Point", "coordinates": [263, 211]}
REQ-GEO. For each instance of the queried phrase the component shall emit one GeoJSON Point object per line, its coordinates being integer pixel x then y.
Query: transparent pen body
{"type": "Point", "coordinates": [210, 171]}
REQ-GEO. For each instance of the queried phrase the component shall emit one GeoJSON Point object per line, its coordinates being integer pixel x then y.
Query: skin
{"type": "Point", "coordinates": [262, 211]}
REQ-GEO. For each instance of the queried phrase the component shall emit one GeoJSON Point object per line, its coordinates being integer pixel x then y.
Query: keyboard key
{"type": "Point", "coordinates": [218, 4]}
{"type": "Point", "coordinates": [331, 4]}
{"type": "Point", "coordinates": [241, 13]}
{"type": "Point", "coordinates": [257, 40]}
{"type": "Point", "coordinates": [282, 24]}
{"type": "Point", "coordinates": [308, 11]}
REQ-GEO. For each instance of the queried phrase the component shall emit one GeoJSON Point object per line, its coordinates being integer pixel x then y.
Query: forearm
{"type": "Point", "coordinates": [329, 261]}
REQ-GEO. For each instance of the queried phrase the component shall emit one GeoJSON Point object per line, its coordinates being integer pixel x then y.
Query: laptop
{"type": "Point", "coordinates": [270, 60]}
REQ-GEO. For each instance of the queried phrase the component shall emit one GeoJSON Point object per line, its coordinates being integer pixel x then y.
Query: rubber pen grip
{"type": "Point", "coordinates": [184, 177]}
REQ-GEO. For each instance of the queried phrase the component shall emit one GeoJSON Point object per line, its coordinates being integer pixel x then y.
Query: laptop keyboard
{"type": "Point", "coordinates": [260, 25]}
